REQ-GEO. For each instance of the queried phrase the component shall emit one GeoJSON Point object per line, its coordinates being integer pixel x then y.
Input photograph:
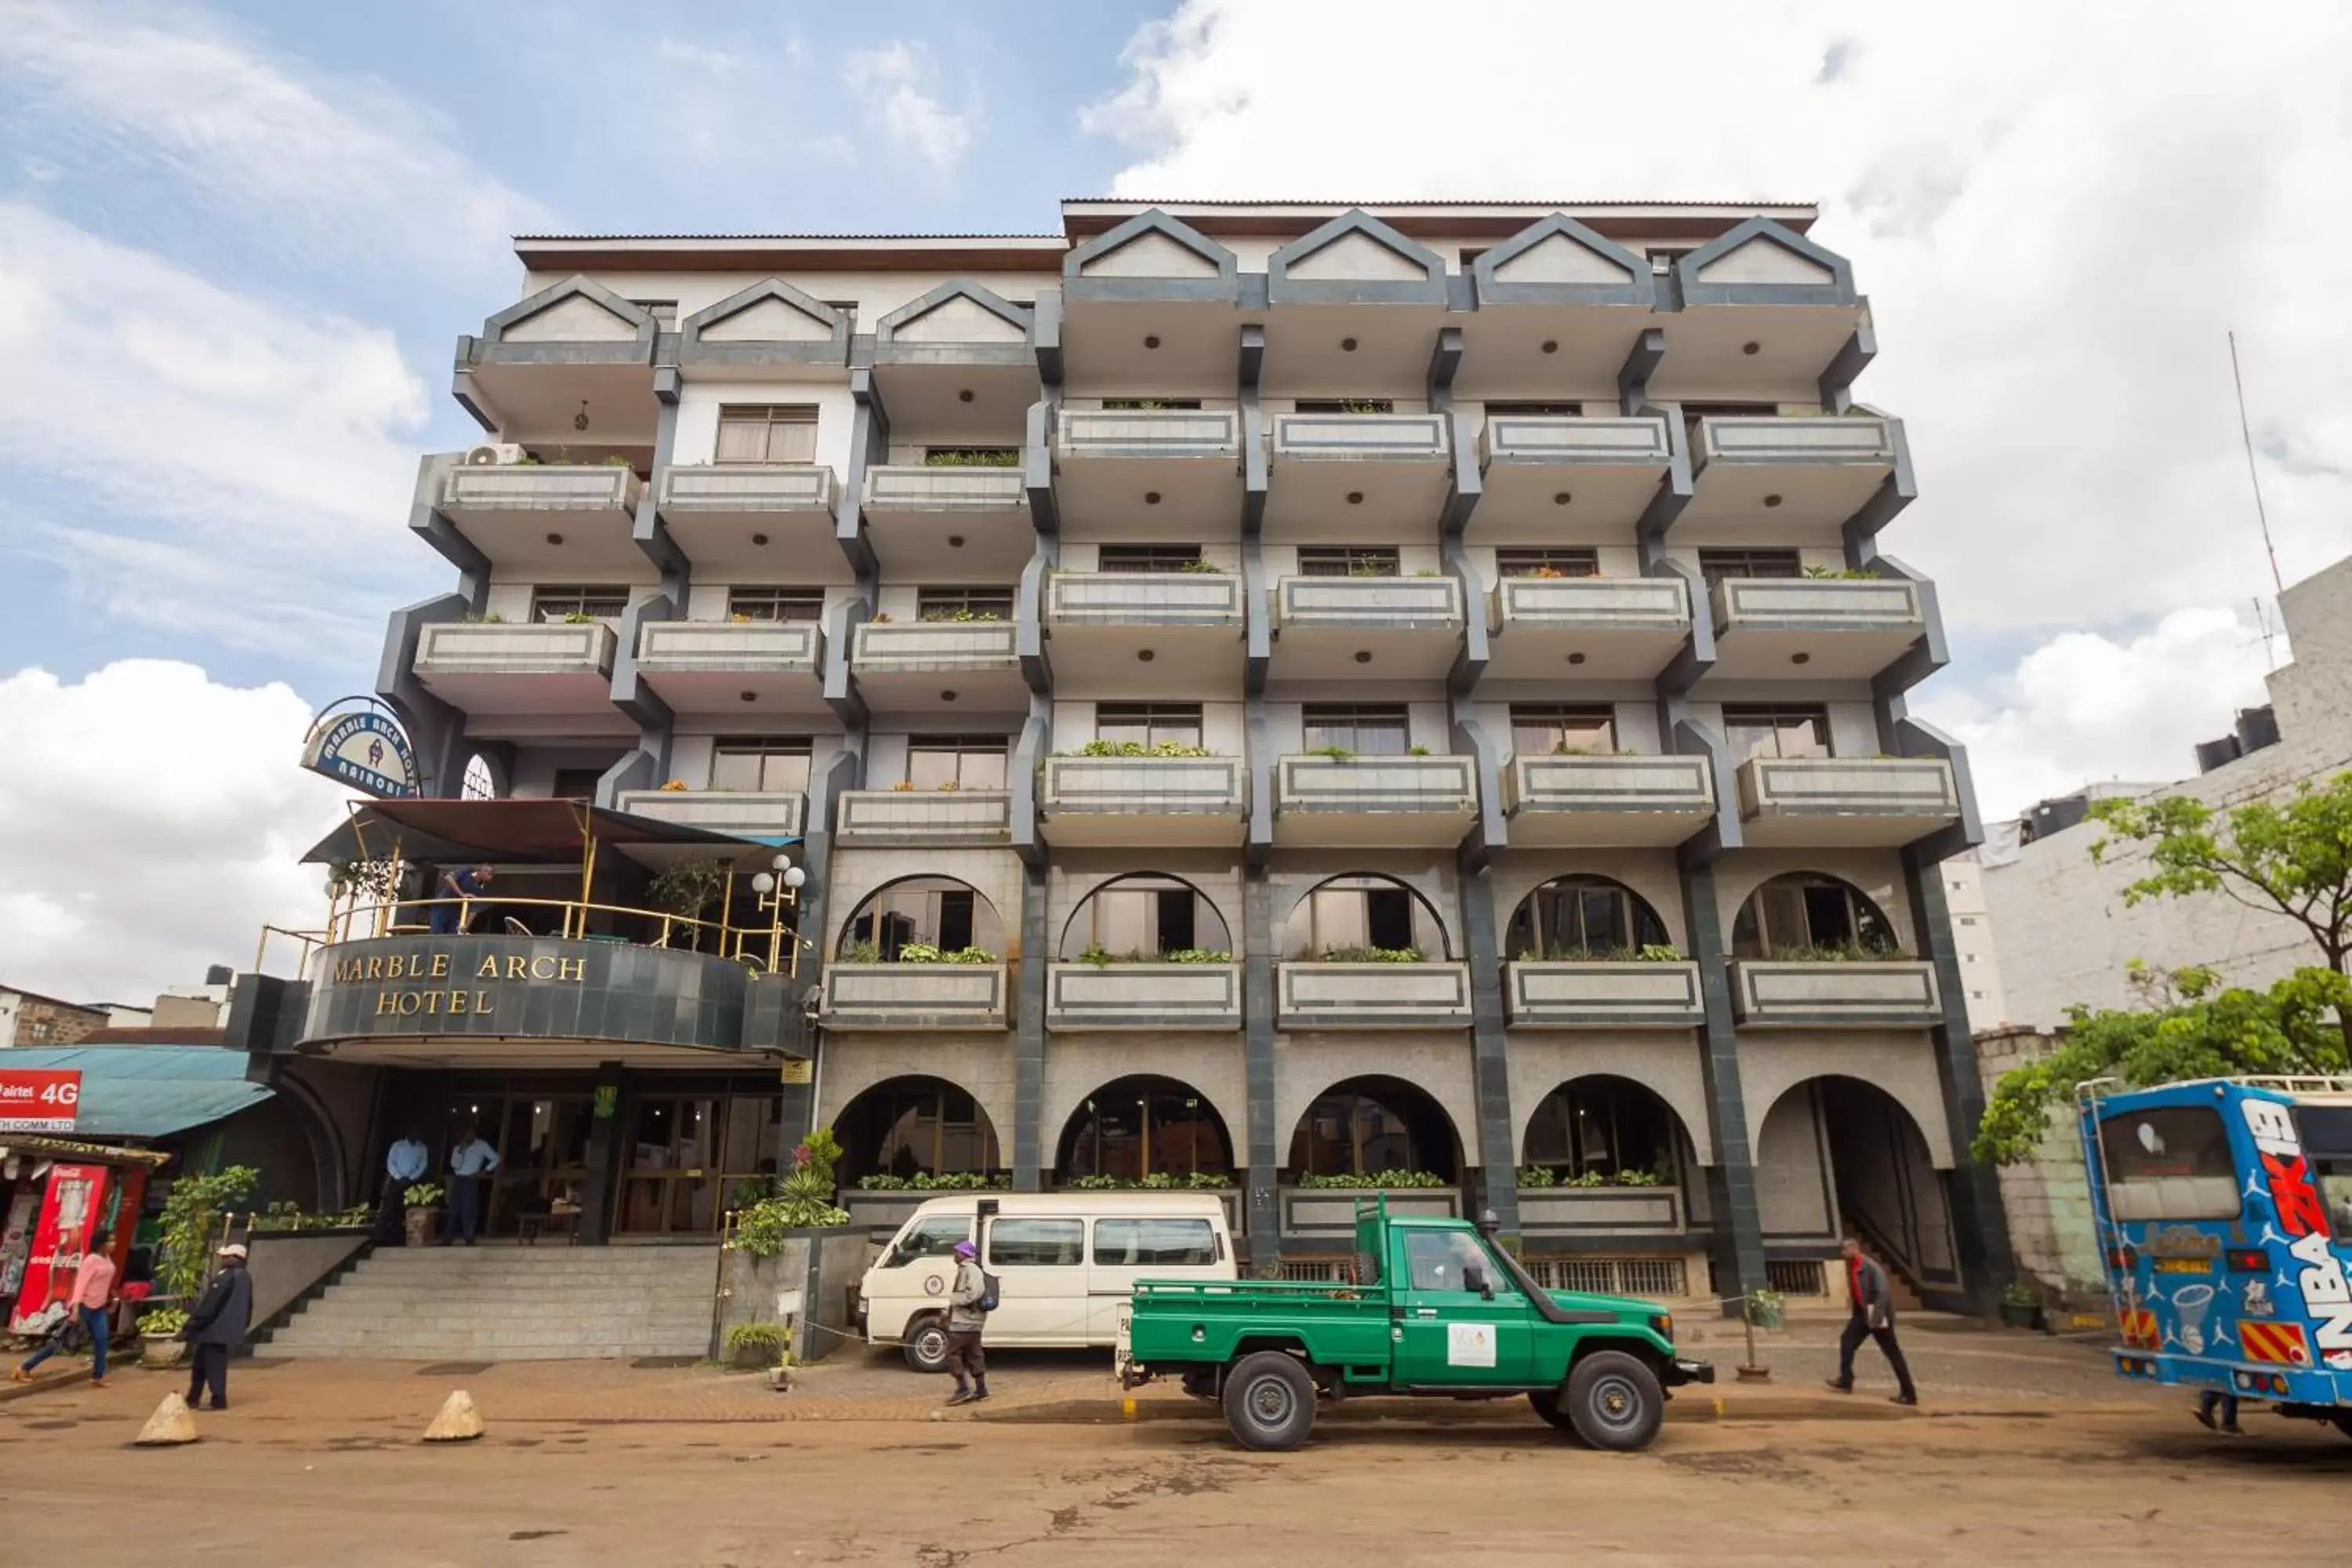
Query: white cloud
{"type": "Point", "coordinates": [150, 819]}
{"type": "Point", "coordinates": [901, 74]}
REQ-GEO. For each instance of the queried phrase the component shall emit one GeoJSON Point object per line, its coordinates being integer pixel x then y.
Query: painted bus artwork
{"type": "Point", "coordinates": [2218, 1205]}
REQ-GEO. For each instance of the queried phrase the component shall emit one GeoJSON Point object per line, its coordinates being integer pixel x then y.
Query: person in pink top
{"type": "Point", "coordinates": [93, 1291]}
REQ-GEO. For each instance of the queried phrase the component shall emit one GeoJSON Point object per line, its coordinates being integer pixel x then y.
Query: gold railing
{"type": "Point", "coordinates": [775, 948]}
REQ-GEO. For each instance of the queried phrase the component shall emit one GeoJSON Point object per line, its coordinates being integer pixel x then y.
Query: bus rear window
{"type": "Point", "coordinates": [2169, 1162]}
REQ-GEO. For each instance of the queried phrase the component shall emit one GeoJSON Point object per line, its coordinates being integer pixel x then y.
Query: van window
{"type": "Point", "coordinates": [2169, 1162]}
{"type": "Point", "coordinates": [1017, 1243]}
{"type": "Point", "coordinates": [1154, 1243]}
{"type": "Point", "coordinates": [934, 1236]}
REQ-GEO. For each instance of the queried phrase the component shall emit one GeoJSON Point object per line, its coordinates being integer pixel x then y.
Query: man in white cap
{"type": "Point", "coordinates": [218, 1325]}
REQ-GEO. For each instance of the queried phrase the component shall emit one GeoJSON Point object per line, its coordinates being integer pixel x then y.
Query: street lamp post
{"type": "Point", "coordinates": [779, 890]}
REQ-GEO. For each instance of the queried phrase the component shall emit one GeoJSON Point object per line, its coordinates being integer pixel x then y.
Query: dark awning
{"type": "Point", "coordinates": [506, 832]}
{"type": "Point", "coordinates": [147, 1092]}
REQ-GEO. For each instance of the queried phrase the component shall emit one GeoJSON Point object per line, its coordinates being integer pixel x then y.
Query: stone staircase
{"type": "Point", "coordinates": [510, 1303]}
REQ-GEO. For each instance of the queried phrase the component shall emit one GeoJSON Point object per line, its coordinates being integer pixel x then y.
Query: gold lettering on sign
{"type": "Point", "coordinates": [482, 1001]}
{"type": "Point", "coordinates": [517, 967]}
{"type": "Point", "coordinates": [383, 1004]}
{"type": "Point", "coordinates": [572, 969]}
{"type": "Point", "coordinates": [449, 1002]}
{"type": "Point", "coordinates": [490, 969]}
{"type": "Point", "coordinates": [440, 966]}
{"type": "Point", "coordinates": [457, 1002]}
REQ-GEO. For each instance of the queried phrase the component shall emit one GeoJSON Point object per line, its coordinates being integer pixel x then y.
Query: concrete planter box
{"type": "Point", "coordinates": [915, 995]}
{"type": "Point", "coordinates": [935, 647]}
{"type": "Point", "coordinates": [812, 1284]}
{"type": "Point", "coordinates": [1773, 441]}
{"type": "Point", "coordinates": [913, 489]}
{"type": "Point", "coordinates": [1588, 604]}
{"type": "Point", "coordinates": [1402, 800]}
{"type": "Point", "coordinates": [744, 813]}
{"type": "Point", "coordinates": [1319, 995]}
{"type": "Point", "coordinates": [941, 818]}
{"type": "Point", "coordinates": [540, 487]}
{"type": "Point", "coordinates": [1608, 800]}
{"type": "Point", "coordinates": [1883, 994]}
{"type": "Point", "coordinates": [1208, 433]}
{"type": "Point", "coordinates": [1360, 438]}
{"type": "Point", "coordinates": [1143, 997]}
{"type": "Point", "coordinates": [1564, 994]}
{"type": "Point", "coordinates": [747, 487]}
{"type": "Point", "coordinates": [1599, 1211]}
{"type": "Point", "coordinates": [1142, 800]}
{"type": "Point", "coordinates": [733, 648]}
{"type": "Point", "coordinates": [1859, 801]}
{"type": "Point", "coordinates": [1144, 598]}
{"type": "Point", "coordinates": [1829, 604]}
{"type": "Point", "coordinates": [1369, 604]}
{"type": "Point", "coordinates": [1328, 1214]}
{"type": "Point", "coordinates": [1562, 441]}
{"type": "Point", "coordinates": [491, 647]}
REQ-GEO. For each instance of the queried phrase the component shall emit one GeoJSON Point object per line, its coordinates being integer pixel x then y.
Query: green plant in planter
{"type": "Point", "coordinates": [689, 888]}
{"type": "Point", "coordinates": [1766, 1308]}
{"type": "Point", "coordinates": [970, 458]}
{"type": "Point", "coordinates": [421, 1195]}
{"type": "Point", "coordinates": [928, 952]}
{"type": "Point", "coordinates": [1585, 1179]}
{"type": "Point", "coordinates": [1373, 955]}
{"type": "Point", "coordinates": [1640, 1179]}
{"type": "Point", "coordinates": [1538, 1176]}
{"type": "Point", "coordinates": [862, 952]}
{"type": "Point", "coordinates": [191, 1212]}
{"type": "Point", "coordinates": [1337, 753]}
{"type": "Point", "coordinates": [1138, 749]}
{"type": "Point", "coordinates": [617, 461]}
{"type": "Point", "coordinates": [1416, 750]}
{"type": "Point", "coordinates": [765, 1343]}
{"type": "Point", "coordinates": [477, 618]}
{"type": "Point", "coordinates": [1658, 953]}
{"type": "Point", "coordinates": [2018, 1294]}
{"type": "Point", "coordinates": [1199, 568]}
{"type": "Point", "coordinates": [577, 618]}
{"type": "Point", "coordinates": [1370, 1179]}
{"type": "Point", "coordinates": [162, 1322]}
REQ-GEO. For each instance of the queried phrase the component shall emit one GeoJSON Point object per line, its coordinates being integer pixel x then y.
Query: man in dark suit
{"type": "Point", "coordinates": [218, 1325]}
{"type": "Point", "coordinates": [1873, 1318]}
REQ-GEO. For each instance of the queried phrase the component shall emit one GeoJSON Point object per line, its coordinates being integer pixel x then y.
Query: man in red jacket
{"type": "Point", "coordinates": [1873, 1318]}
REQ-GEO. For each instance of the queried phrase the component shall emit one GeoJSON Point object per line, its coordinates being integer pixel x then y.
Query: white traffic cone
{"type": "Point", "coordinates": [173, 1423]}
{"type": "Point", "coordinates": [459, 1421]}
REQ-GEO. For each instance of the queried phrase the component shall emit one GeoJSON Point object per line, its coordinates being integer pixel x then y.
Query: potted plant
{"type": "Point", "coordinates": [424, 1200]}
{"type": "Point", "coordinates": [1766, 1308]}
{"type": "Point", "coordinates": [160, 1345]}
{"type": "Point", "coordinates": [2020, 1308]}
{"type": "Point", "coordinates": [755, 1347]}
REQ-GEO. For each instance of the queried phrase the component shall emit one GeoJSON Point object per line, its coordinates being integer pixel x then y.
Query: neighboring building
{"type": "Point", "coordinates": [2062, 928]}
{"type": "Point", "coordinates": [1972, 940]}
{"type": "Point", "coordinates": [1399, 621]}
{"type": "Point", "coordinates": [27, 1018]}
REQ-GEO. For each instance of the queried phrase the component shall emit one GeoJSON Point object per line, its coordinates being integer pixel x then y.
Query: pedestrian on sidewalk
{"type": "Point", "coordinates": [469, 1162]}
{"type": "Point", "coordinates": [91, 1300]}
{"type": "Point", "coordinates": [967, 1318]}
{"type": "Point", "coordinates": [1873, 1318]}
{"type": "Point", "coordinates": [2212, 1399]}
{"type": "Point", "coordinates": [217, 1326]}
{"type": "Point", "coordinates": [404, 1164]}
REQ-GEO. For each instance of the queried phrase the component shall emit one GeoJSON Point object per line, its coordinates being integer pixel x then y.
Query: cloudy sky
{"type": "Point", "coordinates": [236, 242]}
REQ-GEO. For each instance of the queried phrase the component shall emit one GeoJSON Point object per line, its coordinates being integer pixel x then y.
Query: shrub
{"type": "Point", "coordinates": [1361, 1179]}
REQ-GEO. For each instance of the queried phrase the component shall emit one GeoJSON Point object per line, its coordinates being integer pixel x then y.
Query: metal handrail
{"type": "Point", "coordinates": [736, 942]}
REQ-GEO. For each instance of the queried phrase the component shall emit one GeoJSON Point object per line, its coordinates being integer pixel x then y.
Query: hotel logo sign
{"type": "Point", "coordinates": [365, 748]}
{"type": "Point", "coordinates": [452, 992]}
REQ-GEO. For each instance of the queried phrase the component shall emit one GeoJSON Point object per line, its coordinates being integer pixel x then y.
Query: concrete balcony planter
{"type": "Point", "coordinates": [1145, 634]}
{"type": "Point", "coordinates": [1200, 434]}
{"type": "Point", "coordinates": [1609, 468]}
{"type": "Point", "coordinates": [915, 995]}
{"type": "Point", "coordinates": [1108, 461]}
{"type": "Point", "coordinates": [1618, 799]}
{"type": "Point", "coordinates": [1143, 997]}
{"type": "Point", "coordinates": [1812, 470]}
{"type": "Point", "coordinates": [1328, 1214]}
{"type": "Point", "coordinates": [1879, 993]}
{"type": "Point", "coordinates": [1581, 994]}
{"type": "Point", "coordinates": [909, 665]}
{"type": "Point", "coordinates": [746, 813]}
{"type": "Point", "coordinates": [1317, 995]}
{"type": "Point", "coordinates": [540, 487]}
{"type": "Point", "coordinates": [1142, 800]}
{"type": "Point", "coordinates": [748, 489]}
{"type": "Point", "coordinates": [1599, 1211]}
{"type": "Point", "coordinates": [916, 491]}
{"type": "Point", "coordinates": [488, 667]}
{"type": "Point", "coordinates": [1328, 474]}
{"type": "Point", "coordinates": [1624, 628]}
{"type": "Point", "coordinates": [1847, 628]}
{"type": "Point", "coordinates": [1152, 599]}
{"type": "Point", "coordinates": [912, 818]}
{"type": "Point", "coordinates": [1873, 802]}
{"type": "Point", "coordinates": [730, 648]}
{"type": "Point", "coordinates": [1411, 626]}
{"type": "Point", "coordinates": [1350, 439]}
{"type": "Point", "coordinates": [1339, 802]}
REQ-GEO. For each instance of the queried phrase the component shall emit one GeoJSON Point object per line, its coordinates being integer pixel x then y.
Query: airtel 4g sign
{"type": "Point", "coordinates": [38, 1100]}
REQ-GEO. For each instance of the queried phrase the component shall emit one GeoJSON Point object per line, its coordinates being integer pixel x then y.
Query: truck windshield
{"type": "Point", "coordinates": [932, 1236]}
{"type": "Point", "coordinates": [1449, 1260]}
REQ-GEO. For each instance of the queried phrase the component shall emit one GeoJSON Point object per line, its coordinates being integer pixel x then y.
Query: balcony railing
{"type": "Point", "coordinates": [1144, 598]}
{"type": "Point", "coordinates": [918, 818]}
{"type": "Point", "coordinates": [1153, 788]}
{"type": "Point", "coordinates": [944, 489]}
{"type": "Point", "coordinates": [1143, 997]}
{"type": "Point", "coordinates": [1599, 1211]}
{"type": "Point", "coordinates": [749, 488]}
{"type": "Point", "coordinates": [1603, 994]}
{"type": "Point", "coordinates": [883, 647]}
{"type": "Point", "coordinates": [540, 487]}
{"type": "Point", "coordinates": [1310, 785]}
{"type": "Point", "coordinates": [1585, 604]}
{"type": "Point", "coordinates": [1161, 433]}
{"type": "Point", "coordinates": [1776, 442]}
{"type": "Point", "coordinates": [1547, 441]}
{"type": "Point", "coordinates": [1318, 994]}
{"type": "Point", "coordinates": [915, 995]}
{"type": "Point", "coordinates": [490, 647]}
{"type": "Point", "coordinates": [746, 813]}
{"type": "Point", "coordinates": [1622, 798]}
{"type": "Point", "coordinates": [1360, 438]}
{"type": "Point", "coordinates": [1808, 605]}
{"type": "Point", "coordinates": [1328, 1214]}
{"type": "Point", "coordinates": [734, 647]}
{"type": "Point", "coordinates": [1369, 604]}
{"type": "Point", "coordinates": [1887, 994]}
{"type": "Point", "coordinates": [1817, 788]}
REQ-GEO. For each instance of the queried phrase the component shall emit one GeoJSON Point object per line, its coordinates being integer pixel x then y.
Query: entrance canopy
{"type": "Point", "coordinates": [517, 832]}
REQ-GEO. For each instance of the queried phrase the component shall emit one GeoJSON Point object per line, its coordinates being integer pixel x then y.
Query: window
{"type": "Point", "coordinates": [1546, 562]}
{"type": "Point", "coordinates": [1147, 404]}
{"type": "Point", "coordinates": [1582, 917]}
{"type": "Point", "coordinates": [935, 1237]}
{"type": "Point", "coordinates": [1449, 1260]}
{"type": "Point", "coordinates": [971, 456]}
{"type": "Point", "coordinates": [963, 604]}
{"type": "Point", "coordinates": [1663, 259]}
{"type": "Point", "coordinates": [1544, 729]}
{"type": "Point", "coordinates": [557, 604]}
{"type": "Point", "coordinates": [966, 762]}
{"type": "Point", "coordinates": [1776, 730]}
{"type": "Point", "coordinates": [1146, 914]}
{"type": "Point", "coordinates": [1368, 730]}
{"type": "Point", "coordinates": [1150, 723]}
{"type": "Point", "coordinates": [1037, 1243]}
{"type": "Point", "coordinates": [1347, 405]}
{"type": "Point", "coordinates": [2169, 1162]}
{"type": "Point", "coordinates": [1371, 1126]}
{"type": "Point", "coordinates": [1535, 410]}
{"type": "Point", "coordinates": [1715, 566]}
{"type": "Point", "coordinates": [767, 433]}
{"type": "Point", "coordinates": [1153, 1243]}
{"type": "Point", "coordinates": [1967, 920]}
{"type": "Point", "coordinates": [848, 307]}
{"type": "Point", "coordinates": [1348, 912]}
{"type": "Point", "coordinates": [772, 763]}
{"type": "Point", "coordinates": [1794, 916]}
{"type": "Point", "coordinates": [1728, 410]}
{"type": "Point", "coordinates": [1148, 558]}
{"type": "Point", "coordinates": [935, 910]}
{"type": "Point", "coordinates": [1345, 561]}
{"type": "Point", "coordinates": [1603, 1124]}
{"type": "Point", "coordinates": [775, 604]}
{"type": "Point", "coordinates": [663, 311]}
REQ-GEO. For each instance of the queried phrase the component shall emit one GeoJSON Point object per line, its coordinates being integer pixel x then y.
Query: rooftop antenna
{"type": "Point", "coordinates": [2261, 515]}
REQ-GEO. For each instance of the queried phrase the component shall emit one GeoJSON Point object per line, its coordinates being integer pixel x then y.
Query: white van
{"type": "Point", "coordinates": [1065, 1264]}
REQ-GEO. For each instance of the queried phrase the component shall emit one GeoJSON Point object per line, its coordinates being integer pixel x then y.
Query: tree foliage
{"type": "Point", "coordinates": [2194, 1028]}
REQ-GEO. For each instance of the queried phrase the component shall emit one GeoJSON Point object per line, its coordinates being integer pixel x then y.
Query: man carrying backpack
{"type": "Point", "coordinates": [968, 1307]}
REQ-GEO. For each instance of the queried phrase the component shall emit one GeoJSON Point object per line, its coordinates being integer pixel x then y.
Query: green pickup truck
{"type": "Point", "coordinates": [1436, 1308]}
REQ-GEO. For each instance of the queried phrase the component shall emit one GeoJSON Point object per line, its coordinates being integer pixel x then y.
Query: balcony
{"type": "Point", "coordinates": [539, 358]}
{"type": "Point", "coordinates": [710, 666]}
{"type": "Point", "coordinates": [1763, 309]}
{"type": "Point", "coordinates": [915, 996]}
{"type": "Point", "coordinates": [1599, 1211]}
{"type": "Point", "coordinates": [1836, 628]}
{"type": "Point", "coordinates": [767, 817]}
{"type": "Point", "coordinates": [1145, 634]}
{"type": "Point", "coordinates": [750, 517]}
{"type": "Point", "coordinates": [1620, 800]}
{"type": "Point", "coordinates": [884, 819]}
{"type": "Point", "coordinates": [937, 667]}
{"type": "Point", "coordinates": [1142, 801]}
{"type": "Point", "coordinates": [1147, 474]}
{"type": "Point", "coordinates": [488, 667]}
{"type": "Point", "coordinates": [1402, 802]}
{"type": "Point", "coordinates": [1143, 997]}
{"type": "Point", "coordinates": [1845, 802]}
{"type": "Point", "coordinates": [1355, 476]}
{"type": "Point", "coordinates": [1323, 996]}
{"type": "Point", "coordinates": [549, 520]}
{"type": "Point", "coordinates": [1751, 470]}
{"type": "Point", "coordinates": [913, 511]}
{"type": "Point", "coordinates": [1602, 628]}
{"type": "Point", "coordinates": [1367, 628]}
{"type": "Point", "coordinates": [1555, 478]}
{"type": "Point", "coordinates": [1602, 995]}
{"type": "Point", "coordinates": [1881, 994]}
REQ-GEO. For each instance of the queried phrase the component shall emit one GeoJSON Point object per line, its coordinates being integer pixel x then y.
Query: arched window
{"type": "Point", "coordinates": [1361, 914]}
{"type": "Point", "coordinates": [1367, 1125]}
{"type": "Point", "coordinates": [1805, 915]}
{"type": "Point", "coordinates": [1582, 916]}
{"type": "Point", "coordinates": [1137, 1127]}
{"type": "Point", "coordinates": [937, 911]}
{"type": "Point", "coordinates": [915, 1126]}
{"type": "Point", "coordinates": [1604, 1127]}
{"type": "Point", "coordinates": [1142, 916]}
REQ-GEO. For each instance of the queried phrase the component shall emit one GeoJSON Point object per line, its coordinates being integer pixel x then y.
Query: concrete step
{"type": "Point", "coordinates": [369, 1288]}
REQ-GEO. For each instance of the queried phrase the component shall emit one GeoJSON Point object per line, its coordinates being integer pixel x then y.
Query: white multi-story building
{"type": "Point", "coordinates": [1412, 689]}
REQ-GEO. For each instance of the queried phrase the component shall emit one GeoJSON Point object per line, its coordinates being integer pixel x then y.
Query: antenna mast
{"type": "Point", "coordinates": [2246, 434]}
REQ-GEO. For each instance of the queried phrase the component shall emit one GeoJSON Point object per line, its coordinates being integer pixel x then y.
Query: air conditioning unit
{"type": "Point", "coordinates": [491, 454]}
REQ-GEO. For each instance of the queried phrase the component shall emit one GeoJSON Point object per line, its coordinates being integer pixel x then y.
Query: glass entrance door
{"type": "Point", "coordinates": [542, 1144]}
{"type": "Point", "coordinates": [686, 1154]}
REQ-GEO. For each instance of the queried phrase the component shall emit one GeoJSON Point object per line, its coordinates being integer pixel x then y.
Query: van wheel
{"type": "Point", "coordinates": [926, 1342]}
{"type": "Point", "coordinates": [1548, 1406]}
{"type": "Point", "coordinates": [1269, 1401]}
{"type": "Point", "coordinates": [1614, 1400]}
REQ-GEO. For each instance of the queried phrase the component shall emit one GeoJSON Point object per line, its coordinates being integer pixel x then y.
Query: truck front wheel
{"type": "Point", "coordinates": [1269, 1401]}
{"type": "Point", "coordinates": [1614, 1400]}
{"type": "Point", "coordinates": [926, 1343]}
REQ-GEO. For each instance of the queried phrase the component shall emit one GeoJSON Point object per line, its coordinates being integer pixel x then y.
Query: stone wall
{"type": "Point", "coordinates": [2047, 1198]}
{"type": "Point", "coordinates": [812, 1283]}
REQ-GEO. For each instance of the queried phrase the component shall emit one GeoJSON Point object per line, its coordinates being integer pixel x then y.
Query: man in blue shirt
{"type": "Point", "coordinates": [469, 1162]}
{"type": "Point", "coordinates": [456, 885]}
{"type": "Point", "coordinates": [405, 1165]}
